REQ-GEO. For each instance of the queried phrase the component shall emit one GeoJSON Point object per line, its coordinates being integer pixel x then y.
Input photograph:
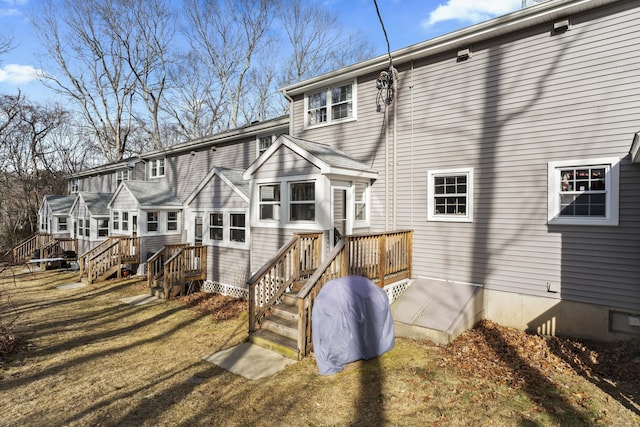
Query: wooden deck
{"type": "Point", "coordinates": [381, 257]}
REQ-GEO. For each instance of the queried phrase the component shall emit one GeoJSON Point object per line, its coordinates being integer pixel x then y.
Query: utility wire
{"type": "Point", "coordinates": [384, 31]}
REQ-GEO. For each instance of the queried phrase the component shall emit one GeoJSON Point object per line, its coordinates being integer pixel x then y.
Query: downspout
{"type": "Point", "coordinates": [411, 158]}
{"type": "Point", "coordinates": [396, 88]}
{"type": "Point", "coordinates": [386, 162]}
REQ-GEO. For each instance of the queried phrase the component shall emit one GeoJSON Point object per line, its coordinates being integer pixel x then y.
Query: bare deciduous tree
{"type": "Point", "coordinates": [228, 35]}
{"type": "Point", "coordinates": [90, 69]}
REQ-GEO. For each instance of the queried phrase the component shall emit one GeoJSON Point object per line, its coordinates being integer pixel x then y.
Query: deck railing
{"type": "Point", "coordinates": [294, 261]}
{"type": "Point", "coordinates": [189, 263]}
{"type": "Point", "coordinates": [25, 249]}
{"type": "Point", "coordinates": [155, 263]}
{"type": "Point", "coordinates": [381, 257]}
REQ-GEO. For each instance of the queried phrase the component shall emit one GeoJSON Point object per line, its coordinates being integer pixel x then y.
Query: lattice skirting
{"type": "Point", "coordinates": [222, 289]}
{"type": "Point", "coordinates": [396, 289]}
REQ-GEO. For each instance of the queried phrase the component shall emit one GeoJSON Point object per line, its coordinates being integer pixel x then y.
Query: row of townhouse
{"type": "Point", "coordinates": [509, 148]}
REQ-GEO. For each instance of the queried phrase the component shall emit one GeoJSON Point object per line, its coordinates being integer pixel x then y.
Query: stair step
{"type": "Point", "coordinates": [289, 298]}
{"type": "Point", "coordinates": [285, 327]}
{"type": "Point", "coordinates": [276, 343]}
{"type": "Point", "coordinates": [156, 291]}
{"type": "Point", "coordinates": [285, 311]}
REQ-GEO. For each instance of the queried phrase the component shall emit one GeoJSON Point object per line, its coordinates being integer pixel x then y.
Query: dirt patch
{"type": "Point", "coordinates": [219, 307]}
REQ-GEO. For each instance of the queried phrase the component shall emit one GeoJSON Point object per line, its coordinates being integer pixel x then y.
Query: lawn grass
{"type": "Point", "coordinates": [87, 359]}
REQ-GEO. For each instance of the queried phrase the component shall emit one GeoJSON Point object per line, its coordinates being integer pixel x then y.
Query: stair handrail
{"type": "Point", "coordinates": [272, 280]}
{"type": "Point", "coordinates": [107, 253]}
{"type": "Point", "coordinates": [174, 272]}
{"type": "Point", "coordinates": [156, 262]}
{"type": "Point", "coordinates": [83, 259]}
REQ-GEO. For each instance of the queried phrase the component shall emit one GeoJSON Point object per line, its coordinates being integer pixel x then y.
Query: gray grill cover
{"type": "Point", "coordinates": [351, 320]}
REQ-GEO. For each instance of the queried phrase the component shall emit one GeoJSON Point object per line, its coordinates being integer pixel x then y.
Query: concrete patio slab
{"type": "Point", "coordinates": [249, 361]}
{"type": "Point", "coordinates": [143, 299]}
{"type": "Point", "coordinates": [68, 286]}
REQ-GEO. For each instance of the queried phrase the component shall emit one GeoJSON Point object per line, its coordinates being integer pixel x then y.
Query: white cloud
{"type": "Point", "coordinates": [470, 11]}
{"type": "Point", "coordinates": [18, 74]}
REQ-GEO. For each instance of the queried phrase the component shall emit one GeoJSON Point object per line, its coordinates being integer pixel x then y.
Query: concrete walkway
{"type": "Point", "coordinates": [140, 300]}
{"type": "Point", "coordinates": [249, 361]}
{"type": "Point", "coordinates": [68, 286]}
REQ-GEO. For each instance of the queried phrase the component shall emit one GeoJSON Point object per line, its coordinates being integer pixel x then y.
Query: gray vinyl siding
{"type": "Point", "coordinates": [518, 103]}
{"type": "Point", "coordinates": [124, 201]}
{"type": "Point", "coordinates": [217, 194]}
{"type": "Point", "coordinates": [265, 242]}
{"type": "Point", "coordinates": [184, 171]}
{"type": "Point", "coordinates": [104, 183]}
{"type": "Point", "coordinates": [285, 162]}
{"type": "Point", "coordinates": [151, 244]}
{"type": "Point", "coordinates": [228, 265]}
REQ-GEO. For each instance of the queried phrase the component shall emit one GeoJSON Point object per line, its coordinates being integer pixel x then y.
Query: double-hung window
{"type": "Point", "coordinates": [75, 185]}
{"type": "Point", "coordinates": [62, 223]}
{"type": "Point", "coordinates": [583, 192]}
{"type": "Point", "coordinates": [332, 104]}
{"type": "Point", "coordinates": [172, 221]}
{"type": "Point", "coordinates": [152, 221]}
{"type": "Point", "coordinates": [156, 168]}
{"type": "Point", "coordinates": [302, 201]}
{"type": "Point", "coordinates": [450, 195]}
{"type": "Point", "coordinates": [360, 201]}
{"type": "Point", "coordinates": [264, 142]}
{"type": "Point", "coordinates": [115, 220]}
{"type": "Point", "coordinates": [237, 227]}
{"type": "Point", "coordinates": [125, 221]}
{"type": "Point", "coordinates": [270, 202]}
{"type": "Point", "coordinates": [103, 227]}
{"type": "Point", "coordinates": [122, 175]}
{"type": "Point", "coordinates": [216, 226]}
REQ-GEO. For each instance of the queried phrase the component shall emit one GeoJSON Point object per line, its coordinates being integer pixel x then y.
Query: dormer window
{"type": "Point", "coordinates": [156, 167]}
{"type": "Point", "coordinates": [331, 105]}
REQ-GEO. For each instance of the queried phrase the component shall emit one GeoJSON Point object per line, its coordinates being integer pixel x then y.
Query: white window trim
{"type": "Point", "coordinates": [74, 185]}
{"type": "Point", "coordinates": [177, 221]}
{"type": "Point", "coordinates": [354, 105]}
{"type": "Point", "coordinates": [156, 162]}
{"type": "Point", "coordinates": [65, 224]}
{"type": "Point", "coordinates": [226, 228]}
{"type": "Point", "coordinates": [431, 216]}
{"type": "Point", "coordinates": [98, 228]}
{"type": "Point", "coordinates": [322, 187]}
{"type": "Point", "coordinates": [612, 183]}
{"type": "Point", "coordinates": [162, 222]}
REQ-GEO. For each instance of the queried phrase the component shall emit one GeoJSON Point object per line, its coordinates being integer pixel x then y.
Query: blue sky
{"type": "Point", "coordinates": [406, 21]}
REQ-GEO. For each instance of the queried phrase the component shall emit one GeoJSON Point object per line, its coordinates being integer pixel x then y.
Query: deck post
{"type": "Point", "coordinates": [382, 258]}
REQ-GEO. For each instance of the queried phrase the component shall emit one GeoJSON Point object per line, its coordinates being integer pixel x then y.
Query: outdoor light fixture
{"type": "Point", "coordinates": [463, 55]}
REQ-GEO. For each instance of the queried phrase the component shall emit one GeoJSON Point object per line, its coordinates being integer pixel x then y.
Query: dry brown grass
{"type": "Point", "coordinates": [89, 360]}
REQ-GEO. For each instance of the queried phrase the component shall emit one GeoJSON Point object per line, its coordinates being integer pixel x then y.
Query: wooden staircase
{"type": "Point", "coordinates": [282, 293]}
{"type": "Point", "coordinates": [108, 258]}
{"type": "Point", "coordinates": [175, 269]}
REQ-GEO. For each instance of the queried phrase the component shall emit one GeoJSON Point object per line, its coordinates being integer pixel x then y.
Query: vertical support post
{"type": "Point", "coordinates": [382, 258]}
